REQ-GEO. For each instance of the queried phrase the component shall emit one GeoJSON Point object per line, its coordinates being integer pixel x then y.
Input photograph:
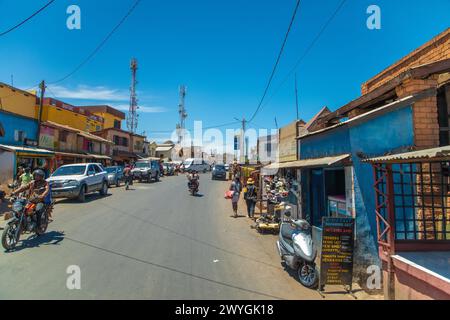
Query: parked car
{"type": "Point", "coordinates": [219, 172]}
{"type": "Point", "coordinates": [227, 167]}
{"type": "Point", "coordinates": [146, 170]}
{"type": "Point", "coordinates": [198, 165]}
{"type": "Point", "coordinates": [115, 175]}
{"type": "Point", "coordinates": [74, 181]}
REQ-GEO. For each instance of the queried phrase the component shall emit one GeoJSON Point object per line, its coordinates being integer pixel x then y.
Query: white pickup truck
{"type": "Point", "coordinates": [74, 181]}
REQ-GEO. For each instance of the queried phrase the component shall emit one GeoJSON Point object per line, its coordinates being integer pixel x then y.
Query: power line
{"type": "Point", "coordinates": [100, 45]}
{"type": "Point", "coordinates": [277, 61]}
{"type": "Point", "coordinates": [29, 18]}
{"type": "Point", "coordinates": [308, 49]}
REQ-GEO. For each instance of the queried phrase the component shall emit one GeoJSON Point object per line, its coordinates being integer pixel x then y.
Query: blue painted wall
{"type": "Point", "coordinates": [373, 137]}
{"type": "Point", "coordinates": [11, 122]}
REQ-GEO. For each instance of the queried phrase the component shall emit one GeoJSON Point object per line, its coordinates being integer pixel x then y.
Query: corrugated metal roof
{"type": "Point", "coordinates": [26, 149]}
{"type": "Point", "coordinates": [166, 148]}
{"type": "Point", "coordinates": [318, 162]}
{"type": "Point", "coordinates": [441, 152]}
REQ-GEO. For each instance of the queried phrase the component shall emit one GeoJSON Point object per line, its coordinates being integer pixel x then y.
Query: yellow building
{"type": "Point", "coordinates": [17, 101]}
{"type": "Point", "coordinates": [72, 116]}
{"type": "Point", "coordinates": [112, 117]}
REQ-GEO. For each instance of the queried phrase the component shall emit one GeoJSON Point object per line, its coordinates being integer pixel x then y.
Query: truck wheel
{"type": "Point", "coordinates": [82, 194]}
{"type": "Point", "coordinates": [104, 189]}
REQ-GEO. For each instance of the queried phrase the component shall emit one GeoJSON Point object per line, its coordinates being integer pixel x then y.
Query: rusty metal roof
{"type": "Point", "coordinates": [427, 154]}
{"type": "Point", "coordinates": [305, 163]}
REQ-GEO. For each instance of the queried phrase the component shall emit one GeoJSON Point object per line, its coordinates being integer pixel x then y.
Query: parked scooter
{"type": "Point", "coordinates": [296, 249]}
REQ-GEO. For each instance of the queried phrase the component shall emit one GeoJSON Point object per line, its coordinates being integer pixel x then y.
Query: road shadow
{"type": "Point", "coordinates": [89, 198]}
{"type": "Point", "coordinates": [238, 216]}
{"type": "Point", "coordinates": [34, 241]}
{"type": "Point", "coordinates": [198, 195]}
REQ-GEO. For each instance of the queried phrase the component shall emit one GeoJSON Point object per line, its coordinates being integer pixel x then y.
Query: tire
{"type": "Point", "coordinates": [42, 228]}
{"type": "Point", "coordinates": [307, 275]}
{"type": "Point", "coordinates": [8, 242]}
{"type": "Point", "coordinates": [104, 190]}
{"type": "Point", "coordinates": [82, 195]}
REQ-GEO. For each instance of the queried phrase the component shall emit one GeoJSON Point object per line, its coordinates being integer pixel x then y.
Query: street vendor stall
{"type": "Point", "coordinates": [12, 157]}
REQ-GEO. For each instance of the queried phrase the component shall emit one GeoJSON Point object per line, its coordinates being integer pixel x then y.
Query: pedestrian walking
{"type": "Point", "coordinates": [128, 177]}
{"type": "Point", "coordinates": [236, 187]}
{"type": "Point", "coordinates": [250, 196]}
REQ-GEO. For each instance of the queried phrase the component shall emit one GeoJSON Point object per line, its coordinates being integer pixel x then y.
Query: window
{"type": "Point", "coordinates": [117, 124]}
{"type": "Point", "coordinates": [63, 136]}
{"type": "Point", "coordinates": [116, 140]}
{"type": "Point", "coordinates": [125, 142]}
{"type": "Point", "coordinates": [443, 101]}
{"type": "Point", "coordinates": [98, 169]}
{"type": "Point", "coordinates": [91, 170]}
{"type": "Point", "coordinates": [90, 146]}
{"type": "Point", "coordinates": [19, 135]}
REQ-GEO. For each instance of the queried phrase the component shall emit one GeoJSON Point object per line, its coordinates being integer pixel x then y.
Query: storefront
{"type": "Point", "coordinates": [12, 157]}
{"type": "Point", "coordinates": [413, 222]}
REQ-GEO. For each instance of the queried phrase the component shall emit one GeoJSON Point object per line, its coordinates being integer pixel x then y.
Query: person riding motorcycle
{"type": "Point", "coordinates": [193, 177]}
{"type": "Point", "coordinates": [38, 190]}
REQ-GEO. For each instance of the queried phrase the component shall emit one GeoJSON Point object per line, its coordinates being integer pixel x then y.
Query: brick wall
{"type": "Point", "coordinates": [436, 49]}
{"type": "Point", "coordinates": [425, 112]}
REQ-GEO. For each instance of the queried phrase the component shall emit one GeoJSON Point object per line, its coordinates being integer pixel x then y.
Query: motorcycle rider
{"type": "Point", "coordinates": [38, 190]}
{"type": "Point", "coordinates": [193, 177]}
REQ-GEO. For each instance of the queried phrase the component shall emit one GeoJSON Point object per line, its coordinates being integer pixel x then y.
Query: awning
{"type": "Point", "coordinates": [71, 155]}
{"type": "Point", "coordinates": [164, 149]}
{"type": "Point", "coordinates": [28, 151]}
{"type": "Point", "coordinates": [306, 163]}
{"type": "Point", "coordinates": [420, 155]}
{"type": "Point", "coordinates": [98, 157]}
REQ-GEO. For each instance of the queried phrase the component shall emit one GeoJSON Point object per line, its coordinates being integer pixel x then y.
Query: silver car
{"type": "Point", "coordinates": [74, 181]}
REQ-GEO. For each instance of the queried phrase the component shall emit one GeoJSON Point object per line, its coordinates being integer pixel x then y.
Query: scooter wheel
{"type": "Point", "coordinates": [307, 275]}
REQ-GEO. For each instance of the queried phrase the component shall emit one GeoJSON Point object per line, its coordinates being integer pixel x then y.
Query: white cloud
{"type": "Point", "coordinates": [143, 109]}
{"type": "Point", "coordinates": [88, 93]}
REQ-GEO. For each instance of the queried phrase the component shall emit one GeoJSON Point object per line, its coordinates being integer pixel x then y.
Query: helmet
{"type": "Point", "coordinates": [279, 184]}
{"type": "Point", "coordinates": [38, 172]}
{"type": "Point", "coordinates": [250, 181]}
{"type": "Point", "coordinates": [27, 169]}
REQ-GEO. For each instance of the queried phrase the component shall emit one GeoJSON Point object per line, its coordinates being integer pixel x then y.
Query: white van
{"type": "Point", "coordinates": [196, 164]}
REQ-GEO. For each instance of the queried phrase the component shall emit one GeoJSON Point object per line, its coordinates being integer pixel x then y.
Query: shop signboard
{"type": "Point", "coordinates": [47, 137]}
{"type": "Point", "coordinates": [336, 263]}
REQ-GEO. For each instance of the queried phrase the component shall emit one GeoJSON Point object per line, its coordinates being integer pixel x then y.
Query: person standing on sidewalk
{"type": "Point", "coordinates": [250, 197]}
{"type": "Point", "coordinates": [236, 187]}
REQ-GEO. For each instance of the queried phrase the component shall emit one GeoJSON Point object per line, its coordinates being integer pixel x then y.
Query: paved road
{"type": "Point", "coordinates": [153, 242]}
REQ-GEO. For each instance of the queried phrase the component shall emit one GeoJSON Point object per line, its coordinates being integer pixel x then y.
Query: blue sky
{"type": "Point", "coordinates": [223, 51]}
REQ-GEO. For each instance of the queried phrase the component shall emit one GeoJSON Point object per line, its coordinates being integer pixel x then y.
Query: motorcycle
{"type": "Point", "coordinates": [24, 220]}
{"type": "Point", "coordinates": [193, 186]}
{"type": "Point", "coordinates": [296, 249]}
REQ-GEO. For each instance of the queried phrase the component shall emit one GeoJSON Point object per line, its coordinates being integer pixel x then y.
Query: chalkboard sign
{"type": "Point", "coordinates": [336, 263]}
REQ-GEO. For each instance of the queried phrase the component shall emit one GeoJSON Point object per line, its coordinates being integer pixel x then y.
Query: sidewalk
{"type": "Point", "coordinates": [359, 293]}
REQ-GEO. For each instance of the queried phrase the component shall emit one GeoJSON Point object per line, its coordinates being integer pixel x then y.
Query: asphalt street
{"type": "Point", "coordinates": [155, 241]}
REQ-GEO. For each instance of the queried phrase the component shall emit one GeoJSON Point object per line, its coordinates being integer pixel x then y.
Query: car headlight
{"type": "Point", "coordinates": [110, 176]}
{"type": "Point", "coordinates": [71, 183]}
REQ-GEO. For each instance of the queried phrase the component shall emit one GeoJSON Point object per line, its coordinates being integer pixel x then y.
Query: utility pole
{"type": "Point", "coordinates": [296, 96]}
{"type": "Point", "coordinates": [242, 148]}
{"type": "Point", "coordinates": [41, 107]}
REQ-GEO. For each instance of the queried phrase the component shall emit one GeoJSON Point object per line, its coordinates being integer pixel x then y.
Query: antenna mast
{"type": "Point", "coordinates": [132, 119]}
{"type": "Point", "coordinates": [182, 113]}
